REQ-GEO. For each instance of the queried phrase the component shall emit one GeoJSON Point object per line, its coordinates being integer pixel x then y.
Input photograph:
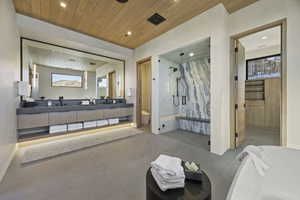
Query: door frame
{"type": "Point", "coordinates": [239, 105]}
{"type": "Point", "coordinates": [138, 91]}
{"type": "Point", "coordinates": [283, 107]}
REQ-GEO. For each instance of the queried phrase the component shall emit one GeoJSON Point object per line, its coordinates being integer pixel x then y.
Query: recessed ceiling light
{"type": "Point", "coordinates": [264, 38]}
{"type": "Point", "coordinates": [191, 54]}
{"type": "Point", "coordinates": [63, 4]}
{"type": "Point", "coordinates": [129, 33]}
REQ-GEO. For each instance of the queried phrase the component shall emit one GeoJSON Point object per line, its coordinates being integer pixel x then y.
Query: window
{"type": "Point", "coordinates": [65, 80]}
{"type": "Point", "coordinates": [266, 67]}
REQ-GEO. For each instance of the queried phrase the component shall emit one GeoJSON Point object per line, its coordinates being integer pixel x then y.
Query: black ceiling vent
{"type": "Point", "coordinates": [122, 1]}
{"type": "Point", "coordinates": [156, 19]}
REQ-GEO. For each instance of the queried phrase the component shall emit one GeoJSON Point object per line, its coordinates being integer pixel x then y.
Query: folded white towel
{"type": "Point", "coordinates": [250, 148]}
{"type": "Point", "coordinates": [169, 165]}
{"type": "Point", "coordinates": [254, 153]}
{"type": "Point", "coordinates": [163, 185]}
{"type": "Point", "coordinates": [167, 178]}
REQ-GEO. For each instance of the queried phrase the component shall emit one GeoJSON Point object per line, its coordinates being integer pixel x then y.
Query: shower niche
{"type": "Point", "coordinates": [185, 88]}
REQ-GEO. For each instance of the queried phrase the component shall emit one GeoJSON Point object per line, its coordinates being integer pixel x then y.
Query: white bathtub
{"type": "Point", "coordinates": [281, 181]}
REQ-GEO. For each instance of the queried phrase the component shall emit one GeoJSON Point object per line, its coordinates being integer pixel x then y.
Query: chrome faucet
{"type": "Point", "coordinates": [61, 100]}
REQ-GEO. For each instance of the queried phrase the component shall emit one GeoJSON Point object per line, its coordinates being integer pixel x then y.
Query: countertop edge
{"type": "Point", "coordinates": [44, 109]}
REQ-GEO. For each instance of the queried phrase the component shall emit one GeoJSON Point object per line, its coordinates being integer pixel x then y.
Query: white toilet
{"type": "Point", "coordinates": [146, 117]}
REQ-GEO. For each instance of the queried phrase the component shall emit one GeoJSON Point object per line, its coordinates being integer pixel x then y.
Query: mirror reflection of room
{"type": "Point", "coordinates": [52, 72]}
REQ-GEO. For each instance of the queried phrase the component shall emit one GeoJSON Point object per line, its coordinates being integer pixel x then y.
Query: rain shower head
{"type": "Point", "coordinates": [174, 69]}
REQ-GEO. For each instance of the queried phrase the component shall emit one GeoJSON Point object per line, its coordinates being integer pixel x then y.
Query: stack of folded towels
{"type": "Point", "coordinates": [168, 172]}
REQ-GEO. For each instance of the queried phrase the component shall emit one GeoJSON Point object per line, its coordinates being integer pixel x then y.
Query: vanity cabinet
{"type": "Point", "coordinates": [28, 121]}
{"type": "Point", "coordinates": [115, 113]}
{"type": "Point", "coordinates": [87, 115]}
{"type": "Point", "coordinates": [108, 113]}
{"type": "Point", "coordinates": [62, 117]}
{"type": "Point", "coordinates": [125, 112]}
{"type": "Point", "coordinates": [33, 120]}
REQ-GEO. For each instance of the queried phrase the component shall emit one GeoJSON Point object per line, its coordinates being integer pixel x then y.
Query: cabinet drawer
{"type": "Point", "coordinates": [113, 113]}
{"type": "Point", "coordinates": [105, 113]}
{"type": "Point", "coordinates": [32, 120]}
{"type": "Point", "coordinates": [62, 117]}
{"type": "Point", "coordinates": [125, 112]}
{"type": "Point", "coordinates": [101, 113]}
{"type": "Point", "coordinates": [110, 113]}
{"type": "Point", "coordinates": [87, 115]}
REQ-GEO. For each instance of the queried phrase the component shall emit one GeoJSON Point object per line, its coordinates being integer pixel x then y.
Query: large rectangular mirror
{"type": "Point", "coordinates": [52, 71]}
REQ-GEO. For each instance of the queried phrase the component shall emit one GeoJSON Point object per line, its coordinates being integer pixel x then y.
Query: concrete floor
{"type": "Point", "coordinates": [114, 170]}
{"type": "Point", "coordinates": [117, 170]}
{"type": "Point", "coordinates": [261, 136]}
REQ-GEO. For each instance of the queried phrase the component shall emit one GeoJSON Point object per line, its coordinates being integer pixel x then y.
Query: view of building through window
{"type": "Point", "coordinates": [267, 67]}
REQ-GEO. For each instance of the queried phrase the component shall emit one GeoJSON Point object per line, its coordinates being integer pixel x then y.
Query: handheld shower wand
{"type": "Point", "coordinates": [177, 94]}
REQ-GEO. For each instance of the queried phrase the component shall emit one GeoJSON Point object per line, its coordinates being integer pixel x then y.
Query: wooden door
{"type": "Point", "coordinates": [146, 86]}
{"type": "Point", "coordinates": [139, 90]}
{"type": "Point", "coordinates": [240, 122]}
{"type": "Point", "coordinates": [112, 84]}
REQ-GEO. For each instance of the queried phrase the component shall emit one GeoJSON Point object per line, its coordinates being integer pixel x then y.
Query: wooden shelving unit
{"type": "Point", "coordinates": [255, 90]}
{"type": "Point", "coordinates": [262, 98]}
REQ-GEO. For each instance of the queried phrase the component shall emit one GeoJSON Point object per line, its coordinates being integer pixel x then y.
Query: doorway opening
{"type": "Point", "coordinates": [258, 89]}
{"type": "Point", "coordinates": [112, 84]}
{"type": "Point", "coordinates": [144, 94]}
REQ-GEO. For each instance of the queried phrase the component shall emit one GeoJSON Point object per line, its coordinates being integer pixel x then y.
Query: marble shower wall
{"type": "Point", "coordinates": [195, 85]}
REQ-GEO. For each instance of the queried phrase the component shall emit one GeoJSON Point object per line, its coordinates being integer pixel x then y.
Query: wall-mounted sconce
{"type": "Point", "coordinates": [130, 92]}
{"type": "Point", "coordinates": [34, 76]}
{"type": "Point", "coordinates": [85, 80]}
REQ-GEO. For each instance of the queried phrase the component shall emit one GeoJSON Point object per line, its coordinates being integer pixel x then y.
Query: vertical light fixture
{"type": "Point", "coordinates": [34, 76]}
{"type": "Point", "coordinates": [85, 80]}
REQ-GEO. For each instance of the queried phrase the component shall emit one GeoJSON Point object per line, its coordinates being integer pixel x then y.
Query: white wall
{"type": "Point", "coordinates": [9, 75]}
{"type": "Point", "coordinates": [212, 23]}
{"type": "Point", "coordinates": [265, 12]}
{"type": "Point", "coordinates": [293, 71]}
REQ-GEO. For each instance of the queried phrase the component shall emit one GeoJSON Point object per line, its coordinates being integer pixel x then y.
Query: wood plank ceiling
{"type": "Point", "coordinates": [109, 20]}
